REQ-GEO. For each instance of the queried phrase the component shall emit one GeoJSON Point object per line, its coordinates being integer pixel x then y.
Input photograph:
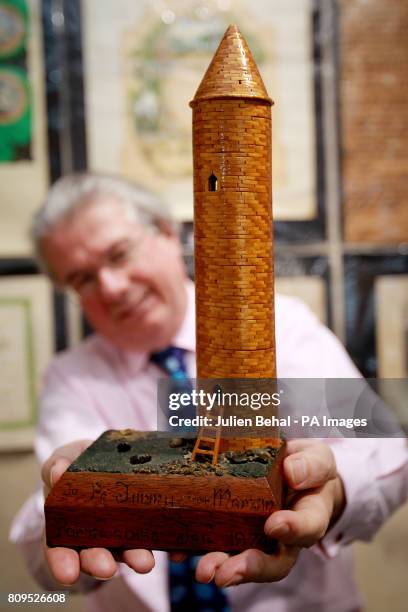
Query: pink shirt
{"type": "Point", "coordinates": [96, 386]}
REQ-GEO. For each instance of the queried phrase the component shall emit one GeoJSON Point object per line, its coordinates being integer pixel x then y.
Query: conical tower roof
{"type": "Point", "coordinates": [232, 72]}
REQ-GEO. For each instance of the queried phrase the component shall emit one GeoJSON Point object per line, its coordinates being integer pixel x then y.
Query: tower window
{"type": "Point", "coordinates": [212, 182]}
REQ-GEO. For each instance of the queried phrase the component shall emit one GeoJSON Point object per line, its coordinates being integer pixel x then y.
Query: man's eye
{"type": "Point", "coordinates": [119, 256]}
{"type": "Point", "coordinates": [81, 282]}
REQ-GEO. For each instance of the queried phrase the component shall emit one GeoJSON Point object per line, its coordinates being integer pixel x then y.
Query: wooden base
{"type": "Point", "coordinates": [200, 509]}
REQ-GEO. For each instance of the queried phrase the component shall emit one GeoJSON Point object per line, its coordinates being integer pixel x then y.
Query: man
{"type": "Point", "coordinates": [111, 244]}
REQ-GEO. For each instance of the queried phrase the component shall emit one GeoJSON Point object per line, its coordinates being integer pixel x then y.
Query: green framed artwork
{"type": "Point", "coordinates": [25, 349]}
{"type": "Point", "coordinates": [13, 29]}
{"type": "Point", "coordinates": [15, 99]}
{"type": "Point", "coordinates": [23, 150]}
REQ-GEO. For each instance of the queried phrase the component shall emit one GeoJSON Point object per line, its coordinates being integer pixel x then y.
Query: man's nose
{"type": "Point", "coordinates": [112, 283]}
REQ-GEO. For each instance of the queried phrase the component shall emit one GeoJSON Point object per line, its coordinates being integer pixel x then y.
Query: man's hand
{"type": "Point", "coordinates": [317, 501]}
{"type": "Point", "coordinates": [66, 564]}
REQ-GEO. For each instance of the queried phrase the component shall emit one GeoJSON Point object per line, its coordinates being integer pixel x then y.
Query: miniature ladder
{"type": "Point", "coordinates": [207, 444]}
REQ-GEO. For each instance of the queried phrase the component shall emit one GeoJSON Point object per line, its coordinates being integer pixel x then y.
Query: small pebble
{"type": "Point", "coordinates": [238, 458]}
{"type": "Point", "coordinates": [123, 447]}
{"type": "Point", "coordinates": [176, 442]}
{"type": "Point", "coordinates": [261, 459]}
{"type": "Point", "coordinates": [142, 458]}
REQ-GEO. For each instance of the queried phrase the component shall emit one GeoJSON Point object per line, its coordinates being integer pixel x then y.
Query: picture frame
{"type": "Point", "coordinates": [26, 347]}
{"type": "Point", "coordinates": [24, 182]}
{"type": "Point", "coordinates": [391, 300]}
{"type": "Point", "coordinates": [142, 65]}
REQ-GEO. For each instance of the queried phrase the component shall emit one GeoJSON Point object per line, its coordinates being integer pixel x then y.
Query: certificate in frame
{"type": "Point", "coordinates": [143, 64]}
{"type": "Point", "coordinates": [26, 345]}
{"type": "Point", "coordinates": [391, 298]}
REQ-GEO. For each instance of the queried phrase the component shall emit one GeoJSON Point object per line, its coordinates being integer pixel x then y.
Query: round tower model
{"type": "Point", "coordinates": [233, 217]}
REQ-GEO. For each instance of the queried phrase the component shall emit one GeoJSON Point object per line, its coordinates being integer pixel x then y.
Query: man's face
{"type": "Point", "coordinates": [131, 282]}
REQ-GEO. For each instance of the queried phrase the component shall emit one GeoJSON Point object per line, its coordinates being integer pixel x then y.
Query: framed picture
{"type": "Point", "coordinates": [375, 191]}
{"type": "Point", "coordinates": [26, 345]}
{"type": "Point", "coordinates": [143, 62]}
{"type": "Point", "coordinates": [391, 300]}
{"type": "Point", "coordinates": [23, 151]}
{"type": "Point", "coordinates": [370, 315]}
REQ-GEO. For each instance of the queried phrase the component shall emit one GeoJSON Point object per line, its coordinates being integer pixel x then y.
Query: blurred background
{"type": "Point", "coordinates": [104, 85]}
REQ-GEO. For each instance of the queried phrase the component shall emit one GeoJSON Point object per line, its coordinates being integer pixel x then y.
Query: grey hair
{"type": "Point", "coordinates": [71, 192]}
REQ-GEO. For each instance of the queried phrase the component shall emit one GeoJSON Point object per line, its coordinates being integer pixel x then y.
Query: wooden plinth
{"type": "Point", "coordinates": [161, 511]}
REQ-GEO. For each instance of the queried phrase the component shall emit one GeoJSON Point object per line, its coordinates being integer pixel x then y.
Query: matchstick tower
{"type": "Point", "coordinates": [133, 489]}
{"type": "Point", "coordinates": [233, 217]}
{"type": "Point", "coordinates": [233, 228]}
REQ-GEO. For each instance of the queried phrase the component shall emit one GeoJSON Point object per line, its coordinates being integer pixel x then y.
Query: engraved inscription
{"type": "Point", "coordinates": [121, 492]}
{"type": "Point", "coordinates": [186, 537]}
{"type": "Point", "coordinates": [143, 535]}
{"type": "Point", "coordinates": [238, 539]}
{"type": "Point", "coordinates": [196, 500]}
{"type": "Point", "coordinates": [69, 490]}
{"type": "Point", "coordinates": [124, 494]}
{"type": "Point", "coordinates": [223, 498]}
{"type": "Point", "coordinates": [104, 533]}
{"type": "Point", "coordinates": [99, 493]}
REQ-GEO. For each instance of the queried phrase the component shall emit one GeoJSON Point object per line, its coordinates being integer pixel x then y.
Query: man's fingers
{"type": "Point", "coordinates": [97, 562]}
{"type": "Point", "coordinates": [309, 465]}
{"type": "Point", "coordinates": [306, 523]}
{"type": "Point", "coordinates": [53, 469]}
{"type": "Point", "coordinates": [59, 461]}
{"type": "Point", "coordinates": [60, 466]}
{"type": "Point", "coordinates": [254, 566]}
{"type": "Point", "coordinates": [140, 560]}
{"type": "Point", "coordinates": [64, 564]}
{"type": "Point", "coordinates": [208, 565]}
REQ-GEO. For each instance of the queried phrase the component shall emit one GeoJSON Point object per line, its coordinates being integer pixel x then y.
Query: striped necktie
{"type": "Point", "coordinates": [172, 362]}
{"type": "Point", "coordinates": [186, 594]}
